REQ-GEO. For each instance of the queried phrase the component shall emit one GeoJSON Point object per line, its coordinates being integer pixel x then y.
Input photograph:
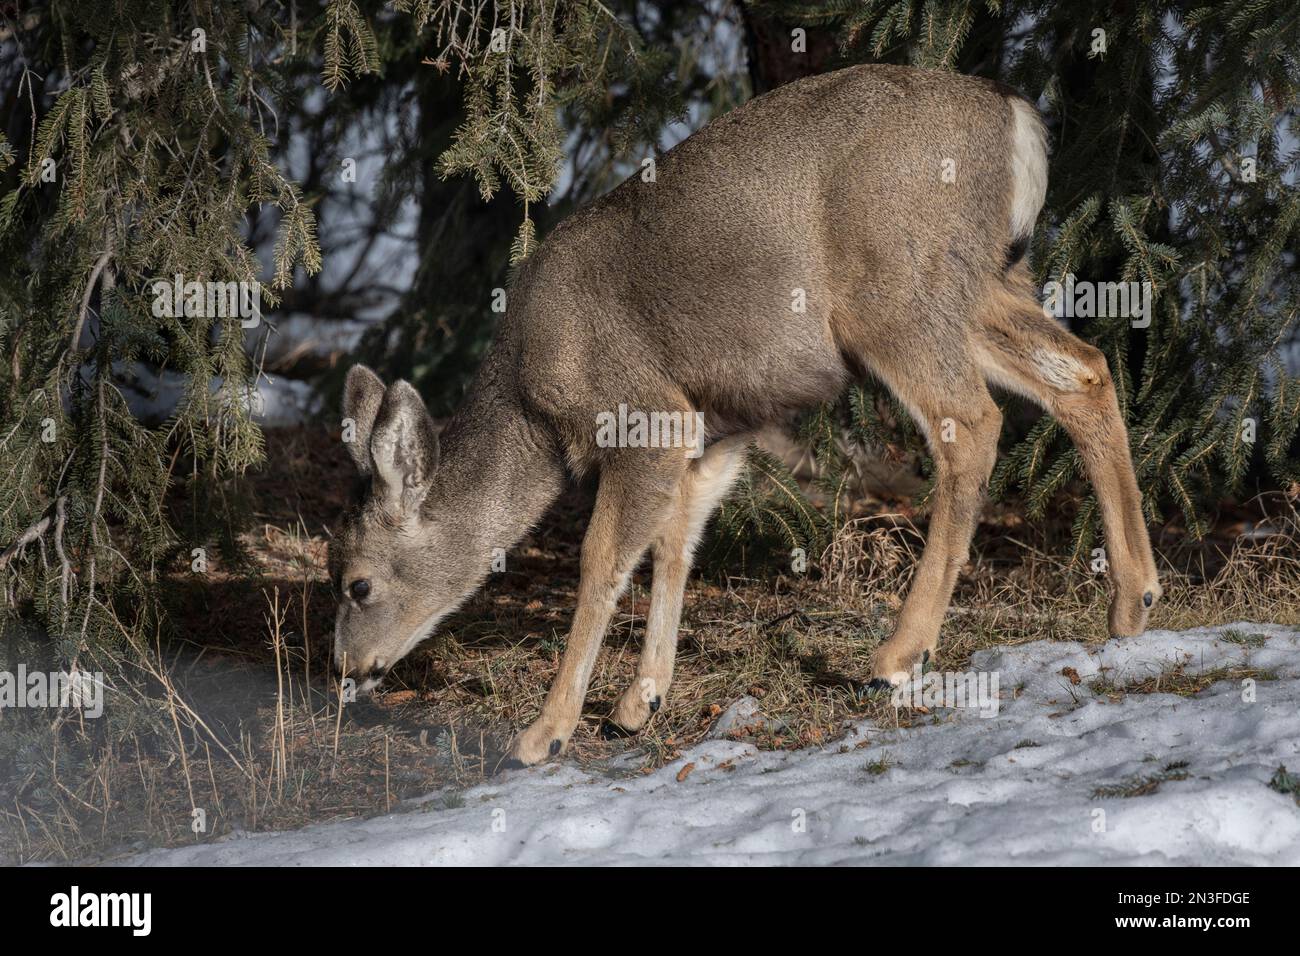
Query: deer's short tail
{"type": "Point", "coordinates": [1028, 163]}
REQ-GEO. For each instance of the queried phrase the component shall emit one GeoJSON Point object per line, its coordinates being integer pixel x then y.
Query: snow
{"type": "Point", "coordinates": [275, 401]}
{"type": "Point", "coordinates": [954, 789]}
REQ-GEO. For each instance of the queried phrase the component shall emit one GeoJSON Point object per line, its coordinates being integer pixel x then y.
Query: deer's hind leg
{"type": "Point", "coordinates": [698, 494]}
{"type": "Point", "coordinates": [1024, 350]}
{"type": "Point", "coordinates": [961, 423]}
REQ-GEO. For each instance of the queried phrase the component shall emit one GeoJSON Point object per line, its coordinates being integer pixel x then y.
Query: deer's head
{"type": "Point", "coordinates": [401, 561]}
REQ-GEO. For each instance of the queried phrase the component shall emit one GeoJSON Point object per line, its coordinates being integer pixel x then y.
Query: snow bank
{"type": "Point", "coordinates": [1015, 788]}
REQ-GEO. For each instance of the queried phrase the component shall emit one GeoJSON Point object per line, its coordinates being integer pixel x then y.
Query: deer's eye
{"type": "Point", "coordinates": [360, 588]}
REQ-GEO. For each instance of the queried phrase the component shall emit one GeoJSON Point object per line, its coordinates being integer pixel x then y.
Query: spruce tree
{"type": "Point", "coordinates": [136, 145]}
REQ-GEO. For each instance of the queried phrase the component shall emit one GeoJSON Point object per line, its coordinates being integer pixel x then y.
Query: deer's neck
{"type": "Point", "coordinates": [498, 469]}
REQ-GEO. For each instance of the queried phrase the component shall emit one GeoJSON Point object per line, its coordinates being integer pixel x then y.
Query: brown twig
{"type": "Point", "coordinates": [95, 273]}
{"type": "Point", "coordinates": [33, 533]}
{"type": "Point", "coordinates": [56, 514]}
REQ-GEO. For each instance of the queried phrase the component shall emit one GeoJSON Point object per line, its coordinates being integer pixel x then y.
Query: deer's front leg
{"type": "Point", "coordinates": [549, 733]}
{"type": "Point", "coordinates": [634, 499]}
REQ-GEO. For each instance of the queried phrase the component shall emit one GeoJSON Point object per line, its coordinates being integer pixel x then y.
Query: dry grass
{"type": "Point", "coordinates": [252, 731]}
{"type": "Point", "coordinates": [1144, 784]}
{"type": "Point", "coordinates": [1177, 681]}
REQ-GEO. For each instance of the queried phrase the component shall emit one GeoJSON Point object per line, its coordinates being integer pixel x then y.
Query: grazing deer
{"type": "Point", "coordinates": [894, 205]}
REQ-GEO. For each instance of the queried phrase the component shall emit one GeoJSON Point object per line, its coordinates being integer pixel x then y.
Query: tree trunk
{"type": "Point", "coordinates": [769, 47]}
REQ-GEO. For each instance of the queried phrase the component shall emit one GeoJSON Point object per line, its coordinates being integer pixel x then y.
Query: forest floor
{"type": "Point", "coordinates": [257, 739]}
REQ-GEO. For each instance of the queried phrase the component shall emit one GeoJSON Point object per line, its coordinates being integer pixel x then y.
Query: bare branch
{"type": "Point", "coordinates": [36, 530]}
{"type": "Point", "coordinates": [100, 264]}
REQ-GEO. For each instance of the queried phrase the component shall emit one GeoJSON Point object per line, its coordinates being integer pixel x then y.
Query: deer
{"type": "Point", "coordinates": [895, 205]}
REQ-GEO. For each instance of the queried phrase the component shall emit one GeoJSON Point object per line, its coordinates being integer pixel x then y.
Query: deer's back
{"type": "Point", "coordinates": [778, 251]}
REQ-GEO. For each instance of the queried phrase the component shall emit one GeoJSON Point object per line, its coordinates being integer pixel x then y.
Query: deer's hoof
{"type": "Point", "coordinates": [633, 711]}
{"type": "Point", "coordinates": [875, 687]}
{"type": "Point", "coordinates": [544, 738]}
{"type": "Point", "coordinates": [612, 731]}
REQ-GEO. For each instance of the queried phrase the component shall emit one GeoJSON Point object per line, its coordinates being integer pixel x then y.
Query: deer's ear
{"type": "Point", "coordinates": [363, 393]}
{"type": "Point", "coordinates": [403, 450]}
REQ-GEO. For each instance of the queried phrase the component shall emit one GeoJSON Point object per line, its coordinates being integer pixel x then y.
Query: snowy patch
{"type": "Point", "coordinates": [275, 402]}
{"type": "Point", "coordinates": [1017, 788]}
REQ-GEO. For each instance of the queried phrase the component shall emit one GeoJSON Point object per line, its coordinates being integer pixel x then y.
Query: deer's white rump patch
{"type": "Point", "coordinates": [1028, 167]}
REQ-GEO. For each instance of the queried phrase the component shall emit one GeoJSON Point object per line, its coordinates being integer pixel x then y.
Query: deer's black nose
{"type": "Point", "coordinates": [375, 673]}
